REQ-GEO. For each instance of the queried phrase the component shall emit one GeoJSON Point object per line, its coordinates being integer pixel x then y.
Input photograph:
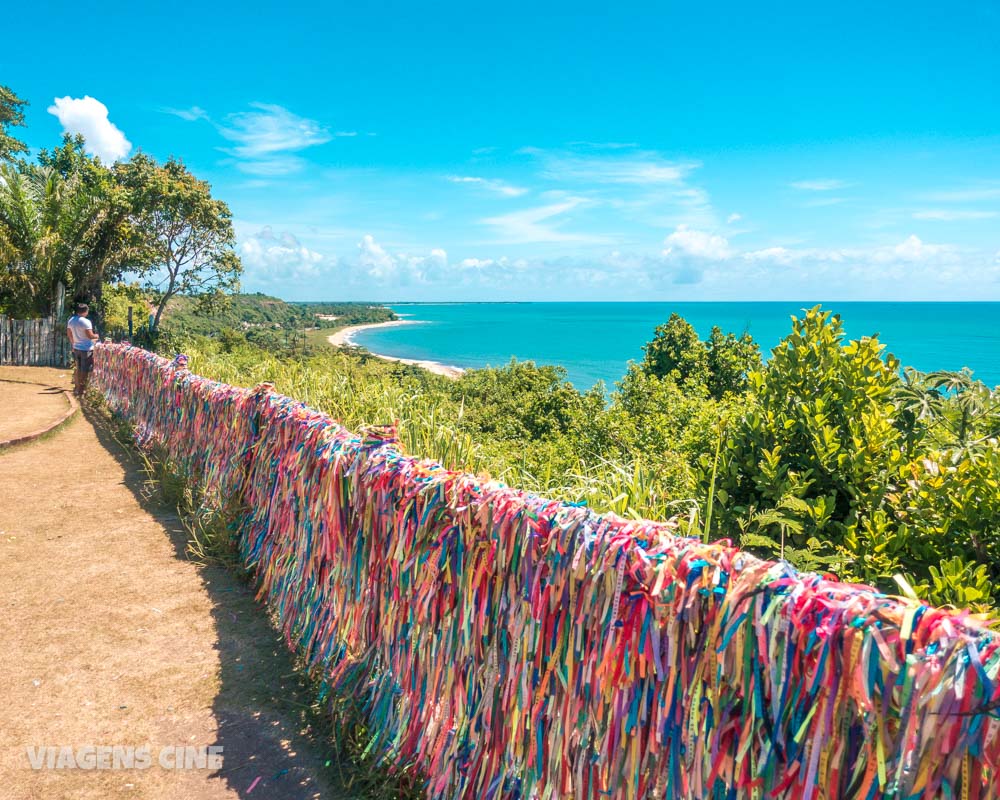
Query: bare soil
{"type": "Point", "coordinates": [28, 407]}
{"type": "Point", "coordinates": [109, 635]}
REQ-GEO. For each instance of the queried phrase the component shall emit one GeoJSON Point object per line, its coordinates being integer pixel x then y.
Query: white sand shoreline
{"type": "Point", "coordinates": [345, 338]}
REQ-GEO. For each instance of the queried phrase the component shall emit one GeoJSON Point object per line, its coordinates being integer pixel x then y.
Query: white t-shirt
{"type": "Point", "coordinates": [78, 328]}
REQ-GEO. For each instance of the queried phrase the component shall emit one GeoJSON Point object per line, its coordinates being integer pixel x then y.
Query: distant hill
{"type": "Point", "coordinates": [253, 312]}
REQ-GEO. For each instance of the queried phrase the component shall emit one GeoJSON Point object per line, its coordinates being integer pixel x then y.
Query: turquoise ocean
{"type": "Point", "coordinates": [595, 341]}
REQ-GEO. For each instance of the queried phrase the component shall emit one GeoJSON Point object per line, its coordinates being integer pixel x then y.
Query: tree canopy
{"type": "Point", "coordinates": [721, 365]}
{"type": "Point", "coordinates": [67, 219]}
{"type": "Point", "coordinates": [11, 115]}
{"type": "Point", "coordinates": [188, 234]}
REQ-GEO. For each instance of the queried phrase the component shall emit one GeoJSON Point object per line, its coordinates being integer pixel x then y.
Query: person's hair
{"type": "Point", "coordinates": [82, 308]}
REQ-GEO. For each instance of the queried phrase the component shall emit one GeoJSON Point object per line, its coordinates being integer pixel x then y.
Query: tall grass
{"type": "Point", "coordinates": [359, 391]}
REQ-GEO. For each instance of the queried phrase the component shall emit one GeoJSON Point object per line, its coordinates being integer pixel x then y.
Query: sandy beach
{"type": "Point", "coordinates": [345, 338]}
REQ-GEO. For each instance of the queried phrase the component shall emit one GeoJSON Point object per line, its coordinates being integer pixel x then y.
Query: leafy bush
{"type": "Point", "coordinates": [825, 456]}
{"type": "Point", "coordinates": [821, 430]}
{"type": "Point", "coordinates": [676, 351]}
{"type": "Point", "coordinates": [720, 365]}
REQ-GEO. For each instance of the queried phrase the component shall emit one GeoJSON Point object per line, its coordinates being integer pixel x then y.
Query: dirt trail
{"type": "Point", "coordinates": [110, 636]}
{"type": "Point", "coordinates": [27, 407]}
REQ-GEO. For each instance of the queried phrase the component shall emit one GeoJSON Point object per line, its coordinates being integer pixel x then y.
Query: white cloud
{"type": "Point", "coordinates": [733, 218]}
{"type": "Point", "coordinates": [383, 268]}
{"type": "Point", "coordinates": [819, 185]}
{"type": "Point", "coordinates": [634, 169]}
{"type": "Point", "coordinates": [604, 145]}
{"type": "Point", "coordinates": [527, 226]}
{"type": "Point", "coordinates": [953, 215]}
{"type": "Point", "coordinates": [493, 185]}
{"type": "Point", "coordinates": [89, 117]}
{"type": "Point", "coordinates": [696, 265]}
{"type": "Point", "coordinates": [776, 255]}
{"type": "Point", "coordinates": [266, 138]}
{"type": "Point", "coordinates": [910, 268]}
{"type": "Point", "coordinates": [272, 129]}
{"type": "Point", "coordinates": [645, 186]}
{"type": "Point", "coordinates": [432, 268]}
{"type": "Point", "coordinates": [273, 166]}
{"type": "Point", "coordinates": [269, 259]}
{"type": "Point", "coordinates": [697, 244]}
{"type": "Point", "coordinates": [190, 114]}
{"type": "Point", "coordinates": [374, 259]}
{"type": "Point", "coordinates": [911, 249]}
{"type": "Point", "coordinates": [476, 263]}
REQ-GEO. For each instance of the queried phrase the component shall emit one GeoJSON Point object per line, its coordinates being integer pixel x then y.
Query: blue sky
{"type": "Point", "coordinates": [580, 151]}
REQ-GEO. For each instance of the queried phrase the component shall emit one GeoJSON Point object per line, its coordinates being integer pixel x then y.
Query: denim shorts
{"type": "Point", "coordinates": [84, 360]}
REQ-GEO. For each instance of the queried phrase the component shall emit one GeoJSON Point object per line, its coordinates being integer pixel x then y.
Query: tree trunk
{"type": "Point", "coordinates": [171, 288]}
{"type": "Point", "coordinates": [159, 313]}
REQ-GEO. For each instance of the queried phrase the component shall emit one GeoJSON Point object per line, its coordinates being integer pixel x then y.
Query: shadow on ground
{"type": "Point", "coordinates": [276, 741]}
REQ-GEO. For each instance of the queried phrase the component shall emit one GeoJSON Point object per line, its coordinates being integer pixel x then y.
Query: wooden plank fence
{"type": "Point", "coordinates": [33, 342]}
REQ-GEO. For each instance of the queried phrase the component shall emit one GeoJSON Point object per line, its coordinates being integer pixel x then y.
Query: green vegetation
{"type": "Point", "coordinates": [261, 311]}
{"type": "Point", "coordinates": [267, 322]}
{"type": "Point", "coordinates": [721, 365]}
{"type": "Point", "coordinates": [67, 219]}
{"type": "Point", "coordinates": [11, 115]}
{"type": "Point", "coordinates": [826, 455]}
{"type": "Point", "coordinates": [60, 223]}
{"type": "Point", "coordinates": [187, 233]}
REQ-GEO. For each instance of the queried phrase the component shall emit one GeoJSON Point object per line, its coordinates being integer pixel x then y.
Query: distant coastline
{"type": "Point", "coordinates": [595, 341]}
{"type": "Point", "coordinates": [345, 338]}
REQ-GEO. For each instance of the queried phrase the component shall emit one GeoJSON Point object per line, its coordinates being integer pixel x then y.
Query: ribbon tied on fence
{"type": "Point", "coordinates": [509, 646]}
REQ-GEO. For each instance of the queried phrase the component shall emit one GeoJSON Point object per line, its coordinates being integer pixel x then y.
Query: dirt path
{"type": "Point", "coordinates": [109, 636]}
{"type": "Point", "coordinates": [28, 407]}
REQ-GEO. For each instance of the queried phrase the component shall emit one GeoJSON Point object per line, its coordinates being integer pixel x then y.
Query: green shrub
{"type": "Point", "coordinates": [826, 456]}
{"type": "Point", "coordinates": [821, 430]}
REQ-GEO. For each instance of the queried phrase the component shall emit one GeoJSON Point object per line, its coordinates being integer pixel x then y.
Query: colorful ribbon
{"type": "Point", "coordinates": [509, 646]}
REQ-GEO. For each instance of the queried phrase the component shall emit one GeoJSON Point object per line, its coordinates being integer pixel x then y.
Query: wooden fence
{"type": "Point", "coordinates": [33, 342]}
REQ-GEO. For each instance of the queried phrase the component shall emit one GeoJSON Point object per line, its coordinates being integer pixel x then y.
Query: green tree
{"type": "Point", "coordinates": [719, 366]}
{"type": "Point", "coordinates": [653, 415]}
{"type": "Point", "coordinates": [11, 115]}
{"type": "Point", "coordinates": [667, 427]}
{"type": "Point", "coordinates": [188, 233]}
{"type": "Point", "coordinates": [116, 300]}
{"type": "Point", "coordinates": [521, 400]}
{"type": "Point", "coordinates": [676, 350]}
{"type": "Point", "coordinates": [66, 220]}
{"type": "Point", "coordinates": [45, 223]}
{"type": "Point", "coordinates": [952, 409]}
{"type": "Point", "coordinates": [731, 359]}
{"type": "Point", "coordinates": [822, 430]}
{"type": "Point", "coordinates": [111, 244]}
{"type": "Point", "coordinates": [948, 508]}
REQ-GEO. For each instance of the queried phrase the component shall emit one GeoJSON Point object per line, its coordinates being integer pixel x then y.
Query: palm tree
{"type": "Point", "coordinates": [54, 228]}
{"type": "Point", "coordinates": [30, 214]}
{"type": "Point", "coordinates": [960, 413]}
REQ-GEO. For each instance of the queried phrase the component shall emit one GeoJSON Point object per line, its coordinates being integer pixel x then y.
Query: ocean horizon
{"type": "Point", "coordinates": [594, 341]}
